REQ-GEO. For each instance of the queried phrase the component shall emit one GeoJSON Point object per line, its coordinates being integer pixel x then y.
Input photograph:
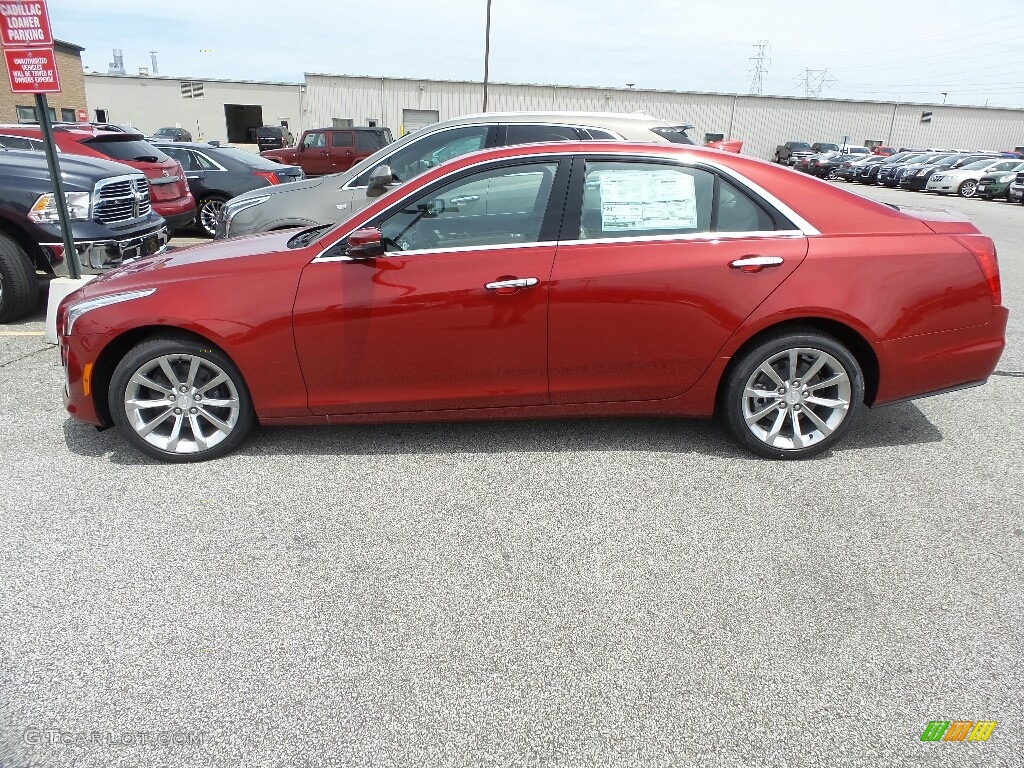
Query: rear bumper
{"type": "Point", "coordinates": [918, 366]}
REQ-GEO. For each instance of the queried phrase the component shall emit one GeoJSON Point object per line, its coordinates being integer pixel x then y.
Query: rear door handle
{"type": "Point", "coordinates": [511, 286]}
{"type": "Point", "coordinates": [755, 263]}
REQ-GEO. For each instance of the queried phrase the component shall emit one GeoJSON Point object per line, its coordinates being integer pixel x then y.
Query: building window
{"type": "Point", "coordinates": [68, 116]}
{"type": "Point", "coordinates": [28, 114]}
{"type": "Point", "coordinates": [191, 89]}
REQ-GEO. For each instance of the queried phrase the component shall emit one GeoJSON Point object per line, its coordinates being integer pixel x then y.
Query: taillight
{"type": "Point", "coordinates": [270, 176]}
{"type": "Point", "coordinates": [984, 251]}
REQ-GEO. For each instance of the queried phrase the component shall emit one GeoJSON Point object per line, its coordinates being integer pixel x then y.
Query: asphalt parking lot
{"type": "Point", "coordinates": [569, 593]}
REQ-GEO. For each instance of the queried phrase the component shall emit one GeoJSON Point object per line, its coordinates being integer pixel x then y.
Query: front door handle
{"type": "Point", "coordinates": [512, 285]}
{"type": "Point", "coordinates": [755, 263]}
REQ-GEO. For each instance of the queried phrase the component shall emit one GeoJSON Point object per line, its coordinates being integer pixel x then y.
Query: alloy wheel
{"type": "Point", "coordinates": [181, 403]}
{"type": "Point", "coordinates": [968, 188]}
{"type": "Point", "coordinates": [796, 398]}
{"type": "Point", "coordinates": [209, 211]}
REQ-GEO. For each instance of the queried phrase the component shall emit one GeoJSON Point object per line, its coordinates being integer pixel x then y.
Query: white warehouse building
{"type": "Point", "coordinates": [229, 110]}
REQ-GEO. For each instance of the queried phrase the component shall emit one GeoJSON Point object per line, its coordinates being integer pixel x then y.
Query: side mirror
{"type": "Point", "coordinates": [365, 243]}
{"type": "Point", "coordinates": [381, 177]}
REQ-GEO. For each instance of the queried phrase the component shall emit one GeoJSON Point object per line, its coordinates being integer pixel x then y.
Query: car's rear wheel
{"type": "Point", "coordinates": [19, 286]}
{"type": "Point", "coordinates": [832, 175]}
{"type": "Point", "coordinates": [179, 400]}
{"type": "Point", "coordinates": [967, 188]}
{"type": "Point", "coordinates": [793, 395]}
{"type": "Point", "coordinates": [209, 211]}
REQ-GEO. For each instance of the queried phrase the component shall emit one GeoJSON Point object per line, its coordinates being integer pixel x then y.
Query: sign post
{"type": "Point", "coordinates": [32, 68]}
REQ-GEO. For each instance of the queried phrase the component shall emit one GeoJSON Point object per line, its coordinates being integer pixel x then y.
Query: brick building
{"type": "Point", "coordinates": [20, 107]}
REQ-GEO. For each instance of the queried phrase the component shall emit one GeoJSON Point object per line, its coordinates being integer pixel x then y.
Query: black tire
{"type": "Point", "coordinates": [19, 286]}
{"type": "Point", "coordinates": [209, 207]}
{"type": "Point", "coordinates": [180, 351]}
{"type": "Point", "coordinates": [798, 403]}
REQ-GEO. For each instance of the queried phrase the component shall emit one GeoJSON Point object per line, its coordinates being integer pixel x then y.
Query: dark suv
{"type": "Point", "coordinates": [111, 220]}
{"type": "Point", "coordinates": [273, 137]}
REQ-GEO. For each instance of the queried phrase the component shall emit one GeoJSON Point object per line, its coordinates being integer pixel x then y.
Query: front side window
{"type": "Point", "coordinates": [500, 206]}
{"type": "Point", "coordinates": [314, 140]}
{"type": "Point", "coordinates": [530, 134]}
{"type": "Point", "coordinates": [341, 139]}
{"type": "Point", "coordinates": [419, 156]}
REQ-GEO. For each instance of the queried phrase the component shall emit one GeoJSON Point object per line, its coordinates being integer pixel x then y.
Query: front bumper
{"type": "Point", "coordinates": [97, 256]}
{"type": "Point", "coordinates": [916, 183]}
{"type": "Point", "coordinates": [991, 189]}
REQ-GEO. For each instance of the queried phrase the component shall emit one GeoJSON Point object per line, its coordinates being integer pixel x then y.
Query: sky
{"type": "Point", "coordinates": [926, 51]}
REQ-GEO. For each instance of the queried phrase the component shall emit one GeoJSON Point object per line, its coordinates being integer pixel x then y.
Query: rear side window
{"type": "Point", "coordinates": [639, 199]}
{"type": "Point", "coordinates": [188, 161]}
{"type": "Point", "coordinates": [530, 134]}
{"type": "Point", "coordinates": [18, 142]}
{"type": "Point", "coordinates": [369, 141]}
{"type": "Point", "coordinates": [133, 150]}
{"type": "Point", "coordinates": [600, 135]}
{"type": "Point", "coordinates": [341, 139]}
{"type": "Point", "coordinates": [635, 199]}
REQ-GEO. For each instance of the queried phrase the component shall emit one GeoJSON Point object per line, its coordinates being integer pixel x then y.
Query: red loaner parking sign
{"type": "Point", "coordinates": [25, 24]}
{"type": "Point", "coordinates": [32, 70]}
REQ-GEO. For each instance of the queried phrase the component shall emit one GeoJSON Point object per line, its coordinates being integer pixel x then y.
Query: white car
{"type": "Point", "coordinates": [964, 181]}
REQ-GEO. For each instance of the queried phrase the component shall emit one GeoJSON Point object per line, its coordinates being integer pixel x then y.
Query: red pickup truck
{"type": "Point", "coordinates": [331, 150]}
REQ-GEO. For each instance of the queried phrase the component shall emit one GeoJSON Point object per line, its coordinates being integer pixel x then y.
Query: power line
{"type": "Point", "coordinates": [760, 70]}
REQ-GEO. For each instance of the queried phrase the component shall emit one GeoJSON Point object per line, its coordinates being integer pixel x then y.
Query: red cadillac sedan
{"type": "Point", "coordinates": [582, 279]}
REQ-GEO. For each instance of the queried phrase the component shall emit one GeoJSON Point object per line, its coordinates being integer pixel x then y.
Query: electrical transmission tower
{"type": "Point", "coordinates": [813, 81]}
{"type": "Point", "coordinates": [760, 69]}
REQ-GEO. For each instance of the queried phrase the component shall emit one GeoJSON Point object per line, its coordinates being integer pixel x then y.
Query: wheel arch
{"type": "Point", "coordinates": [119, 346]}
{"type": "Point", "coordinates": [852, 339]}
{"type": "Point", "coordinates": [24, 240]}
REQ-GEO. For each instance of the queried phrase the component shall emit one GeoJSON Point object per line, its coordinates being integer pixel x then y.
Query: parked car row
{"type": "Point", "coordinates": [986, 174]}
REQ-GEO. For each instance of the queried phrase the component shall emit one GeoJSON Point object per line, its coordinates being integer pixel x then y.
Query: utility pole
{"type": "Point", "coordinates": [487, 52]}
{"type": "Point", "coordinates": [814, 80]}
{"type": "Point", "coordinates": [760, 69]}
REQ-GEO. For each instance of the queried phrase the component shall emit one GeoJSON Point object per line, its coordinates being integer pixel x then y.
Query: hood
{"type": "Point", "coordinates": [291, 186]}
{"type": "Point", "coordinates": [203, 260]}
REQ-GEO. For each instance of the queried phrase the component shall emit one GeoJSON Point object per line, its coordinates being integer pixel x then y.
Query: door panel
{"type": "Point", "coordinates": [342, 153]}
{"type": "Point", "coordinates": [314, 157]}
{"type": "Point", "coordinates": [644, 320]}
{"type": "Point", "coordinates": [420, 331]}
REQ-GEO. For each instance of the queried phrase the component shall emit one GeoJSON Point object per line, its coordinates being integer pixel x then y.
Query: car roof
{"type": "Point", "coordinates": [610, 120]}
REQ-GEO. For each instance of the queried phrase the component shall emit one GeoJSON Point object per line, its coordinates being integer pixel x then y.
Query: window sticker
{"type": "Point", "coordinates": [646, 200]}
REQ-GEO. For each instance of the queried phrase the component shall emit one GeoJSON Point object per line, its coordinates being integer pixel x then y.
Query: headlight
{"type": "Point", "coordinates": [79, 308]}
{"type": "Point", "coordinates": [44, 210]}
{"type": "Point", "coordinates": [1007, 177]}
{"type": "Point", "coordinates": [233, 207]}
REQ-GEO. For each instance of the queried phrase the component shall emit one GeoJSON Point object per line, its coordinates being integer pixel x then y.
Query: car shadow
{"type": "Point", "coordinates": [896, 425]}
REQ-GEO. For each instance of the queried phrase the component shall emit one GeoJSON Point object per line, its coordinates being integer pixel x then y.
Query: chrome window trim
{"type": "Point", "coordinates": [430, 251]}
{"type": "Point", "coordinates": [803, 227]}
{"type": "Point", "coordinates": [203, 154]}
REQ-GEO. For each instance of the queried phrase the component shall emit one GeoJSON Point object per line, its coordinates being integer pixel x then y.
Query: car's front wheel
{"type": "Point", "coordinates": [793, 395]}
{"type": "Point", "coordinates": [209, 211]}
{"type": "Point", "coordinates": [968, 188]}
{"type": "Point", "coordinates": [178, 399]}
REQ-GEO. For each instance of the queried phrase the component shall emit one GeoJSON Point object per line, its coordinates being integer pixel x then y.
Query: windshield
{"type": "Point", "coordinates": [674, 135]}
{"type": "Point", "coordinates": [799, 145]}
{"type": "Point", "coordinates": [117, 148]}
{"type": "Point", "coordinates": [977, 165]}
{"type": "Point", "coordinates": [166, 132]}
{"type": "Point", "coordinates": [250, 159]}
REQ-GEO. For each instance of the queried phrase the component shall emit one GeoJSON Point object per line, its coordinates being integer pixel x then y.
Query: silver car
{"type": "Point", "coordinates": [330, 199]}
